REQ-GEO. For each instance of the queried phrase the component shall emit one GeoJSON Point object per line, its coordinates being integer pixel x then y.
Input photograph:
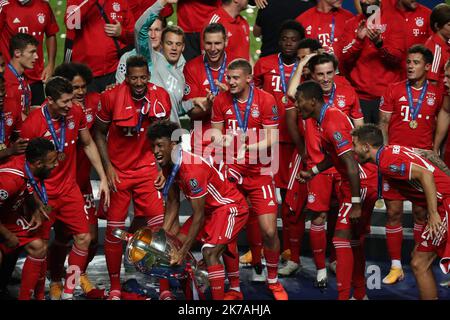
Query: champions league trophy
{"type": "Point", "coordinates": [149, 251]}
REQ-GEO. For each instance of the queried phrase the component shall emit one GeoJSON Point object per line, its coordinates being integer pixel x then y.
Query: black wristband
{"type": "Point", "coordinates": [379, 44]}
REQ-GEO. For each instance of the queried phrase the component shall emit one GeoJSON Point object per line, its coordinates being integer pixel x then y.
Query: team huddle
{"type": "Point", "coordinates": [343, 114]}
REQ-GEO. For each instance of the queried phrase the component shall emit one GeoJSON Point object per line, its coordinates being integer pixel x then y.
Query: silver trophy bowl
{"type": "Point", "coordinates": [149, 251]}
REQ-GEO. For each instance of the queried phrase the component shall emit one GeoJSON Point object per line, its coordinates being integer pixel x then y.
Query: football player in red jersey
{"type": "Point", "coordinates": [425, 185]}
{"type": "Point", "coordinates": [246, 119]}
{"type": "Point", "coordinates": [219, 209]}
{"type": "Point", "coordinates": [126, 112]}
{"type": "Point", "coordinates": [272, 74]}
{"type": "Point", "coordinates": [63, 122]}
{"type": "Point", "coordinates": [408, 114]}
{"type": "Point", "coordinates": [325, 22]}
{"type": "Point", "coordinates": [21, 183]}
{"type": "Point", "coordinates": [80, 76]}
{"type": "Point", "coordinates": [443, 120]}
{"type": "Point", "coordinates": [356, 200]}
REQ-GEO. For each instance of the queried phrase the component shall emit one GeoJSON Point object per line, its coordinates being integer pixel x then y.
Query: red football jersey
{"type": "Point", "coordinates": [267, 76]}
{"type": "Point", "coordinates": [90, 109]}
{"type": "Point", "coordinates": [63, 176]}
{"type": "Point", "coordinates": [395, 165]}
{"type": "Point", "coordinates": [263, 112]}
{"type": "Point", "coordinates": [395, 102]}
{"type": "Point", "coordinates": [192, 14]}
{"type": "Point", "coordinates": [127, 150]}
{"type": "Point", "coordinates": [238, 33]}
{"type": "Point", "coordinates": [197, 178]}
{"type": "Point", "coordinates": [441, 54]}
{"type": "Point", "coordinates": [12, 120]}
{"type": "Point", "coordinates": [138, 7]}
{"type": "Point", "coordinates": [35, 18]}
{"type": "Point", "coordinates": [371, 69]}
{"type": "Point", "coordinates": [319, 25]}
{"type": "Point", "coordinates": [197, 85]}
{"type": "Point", "coordinates": [86, 27]}
{"type": "Point", "coordinates": [336, 138]}
{"type": "Point", "coordinates": [345, 100]}
{"type": "Point", "coordinates": [18, 93]}
{"type": "Point", "coordinates": [14, 188]}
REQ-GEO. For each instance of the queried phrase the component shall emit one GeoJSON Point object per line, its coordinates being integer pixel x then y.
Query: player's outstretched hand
{"type": "Point", "coordinates": [104, 190]}
{"type": "Point", "coordinates": [176, 257]}
{"type": "Point", "coordinates": [261, 4]}
{"type": "Point", "coordinates": [160, 181]}
{"type": "Point", "coordinates": [434, 225]}
{"type": "Point", "coordinates": [19, 146]}
{"type": "Point", "coordinates": [112, 178]}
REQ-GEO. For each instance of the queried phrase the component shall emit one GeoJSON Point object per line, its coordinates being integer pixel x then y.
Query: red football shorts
{"type": "Point", "coordinates": [368, 198]}
{"type": "Point", "coordinates": [391, 193]}
{"type": "Point", "coordinates": [221, 226]}
{"type": "Point", "coordinates": [140, 188]}
{"type": "Point", "coordinates": [285, 152]}
{"type": "Point", "coordinates": [19, 225]}
{"type": "Point", "coordinates": [296, 191]}
{"type": "Point", "coordinates": [69, 210]}
{"type": "Point", "coordinates": [321, 189]}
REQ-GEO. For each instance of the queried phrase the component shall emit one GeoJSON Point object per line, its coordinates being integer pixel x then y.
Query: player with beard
{"type": "Point", "coordinates": [21, 183]}
{"type": "Point", "coordinates": [126, 112]}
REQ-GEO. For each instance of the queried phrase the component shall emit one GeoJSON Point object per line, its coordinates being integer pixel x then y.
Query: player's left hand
{"type": "Point", "coordinates": [261, 4]}
{"type": "Point", "coordinates": [113, 29]}
{"type": "Point", "coordinates": [104, 189]}
{"type": "Point", "coordinates": [160, 181]}
{"type": "Point", "coordinates": [355, 212]}
{"type": "Point", "coordinates": [36, 220]}
{"type": "Point", "coordinates": [177, 257]}
{"type": "Point", "coordinates": [374, 35]}
{"type": "Point", "coordinates": [47, 72]}
{"type": "Point", "coordinates": [304, 176]}
{"type": "Point", "coordinates": [222, 86]}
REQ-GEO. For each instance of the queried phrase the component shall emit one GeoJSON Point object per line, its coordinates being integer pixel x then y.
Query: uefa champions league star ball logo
{"type": "Point", "coordinates": [386, 187]}
{"type": "Point", "coordinates": [3, 194]}
{"type": "Point", "coordinates": [337, 136]}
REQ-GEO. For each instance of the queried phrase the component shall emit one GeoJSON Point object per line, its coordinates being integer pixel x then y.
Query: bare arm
{"type": "Point", "coordinates": [443, 121]}
{"type": "Point", "coordinates": [296, 78]}
{"type": "Point", "coordinates": [171, 223]}
{"type": "Point", "coordinates": [292, 125]}
{"type": "Point", "coordinates": [385, 118]}
{"type": "Point", "coordinates": [51, 54]}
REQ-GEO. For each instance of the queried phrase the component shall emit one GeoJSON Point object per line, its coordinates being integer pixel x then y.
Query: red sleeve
{"type": "Point", "coordinates": [337, 132]}
{"type": "Point", "coordinates": [196, 180]}
{"type": "Point", "coordinates": [81, 117]}
{"type": "Point", "coordinates": [349, 47]}
{"type": "Point", "coordinates": [18, 122]}
{"type": "Point", "coordinates": [30, 130]}
{"type": "Point", "coordinates": [217, 112]}
{"type": "Point", "coordinates": [258, 77]}
{"type": "Point", "coordinates": [269, 112]}
{"type": "Point", "coordinates": [51, 28]}
{"type": "Point", "coordinates": [127, 35]}
{"type": "Point", "coordinates": [9, 188]}
{"type": "Point", "coordinates": [191, 90]}
{"type": "Point", "coordinates": [355, 108]}
{"type": "Point", "coordinates": [104, 114]}
{"type": "Point", "coordinates": [433, 73]}
{"type": "Point", "coordinates": [387, 102]}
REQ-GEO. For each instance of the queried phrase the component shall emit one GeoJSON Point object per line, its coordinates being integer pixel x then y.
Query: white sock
{"type": "Point", "coordinates": [272, 281]}
{"type": "Point", "coordinates": [396, 263]}
{"type": "Point", "coordinates": [66, 296]}
{"type": "Point", "coordinates": [321, 274]}
{"type": "Point", "coordinates": [238, 289]}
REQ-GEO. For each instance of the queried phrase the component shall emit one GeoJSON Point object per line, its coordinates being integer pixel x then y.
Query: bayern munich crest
{"type": "Point", "coordinates": [9, 122]}
{"type": "Point", "coordinates": [41, 18]}
{"type": "Point", "coordinates": [255, 112]}
{"type": "Point", "coordinates": [71, 125]}
{"type": "Point", "coordinates": [430, 101]}
{"type": "Point", "coordinates": [89, 118]}
{"type": "Point", "coordinates": [341, 103]}
{"type": "Point", "coordinates": [116, 6]}
{"type": "Point", "coordinates": [385, 186]}
{"type": "Point", "coordinates": [419, 22]}
{"type": "Point", "coordinates": [311, 198]}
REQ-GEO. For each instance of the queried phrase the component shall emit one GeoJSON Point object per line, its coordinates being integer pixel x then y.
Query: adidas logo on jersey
{"type": "Point", "coordinates": [271, 203]}
{"type": "Point", "coordinates": [402, 99]}
{"type": "Point", "coordinates": [273, 71]}
{"type": "Point", "coordinates": [229, 111]}
{"type": "Point", "coordinates": [16, 20]}
{"type": "Point", "coordinates": [206, 82]}
{"type": "Point", "coordinates": [424, 243]}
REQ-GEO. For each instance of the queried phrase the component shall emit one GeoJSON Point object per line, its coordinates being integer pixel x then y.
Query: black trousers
{"type": "Point", "coordinates": [370, 109]}
{"type": "Point", "coordinates": [192, 46]}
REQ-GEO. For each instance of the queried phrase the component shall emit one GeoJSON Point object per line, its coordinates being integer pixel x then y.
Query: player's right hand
{"type": "Point", "coordinates": [12, 241]}
{"type": "Point", "coordinates": [304, 176]}
{"type": "Point", "coordinates": [434, 225]}
{"type": "Point", "coordinates": [355, 212]}
{"type": "Point", "coordinates": [19, 146]}
{"type": "Point", "coordinates": [112, 178]}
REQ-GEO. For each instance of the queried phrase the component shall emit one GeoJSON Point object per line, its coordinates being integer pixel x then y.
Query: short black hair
{"type": "Point", "coordinates": [72, 69]}
{"type": "Point", "coordinates": [311, 44]}
{"type": "Point", "coordinates": [240, 64]}
{"type": "Point", "coordinates": [162, 129]}
{"type": "Point", "coordinates": [321, 59]}
{"type": "Point", "coordinates": [57, 86]}
{"type": "Point", "coordinates": [37, 149]}
{"type": "Point", "coordinates": [424, 51]}
{"type": "Point", "coordinates": [369, 133]}
{"type": "Point", "coordinates": [136, 61]}
{"type": "Point", "coordinates": [439, 16]}
{"type": "Point", "coordinates": [20, 41]}
{"type": "Point", "coordinates": [292, 25]}
{"type": "Point", "coordinates": [215, 28]}
{"type": "Point", "coordinates": [310, 90]}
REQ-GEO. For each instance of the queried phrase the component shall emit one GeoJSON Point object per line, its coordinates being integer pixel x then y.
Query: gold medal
{"type": "Point", "coordinates": [284, 99]}
{"type": "Point", "coordinates": [379, 204]}
{"type": "Point", "coordinates": [2, 146]}
{"type": "Point", "coordinates": [61, 156]}
{"type": "Point", "coordinates": [413, 124]}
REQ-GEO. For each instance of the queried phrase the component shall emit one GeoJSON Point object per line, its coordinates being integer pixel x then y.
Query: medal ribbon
{"type": "Point", "coordinates": [243, 124]}
{"type": "Point", "coordinates": [414, 110]}
{"type": "Point", "coordinates": [26, 89]}
{"type": "Point", "coordinates": [2, 128]}
{"type": "Point", "coordinates": [282, 74]}
{"type": "Point", "coordinates": [380, 179]}
{"type": "Point", "coordinates": [212, 86]}
{"type": "Point", "coordinates": [173, 174]}
{"type": "Point", "coordinates": [58, 143]}
{"type": "Point", "coordinates": [327, 105]}
{"type": "Point", "coordinates": [333, 27]}
{"type": "Point", "coordinates": [42, 192]}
